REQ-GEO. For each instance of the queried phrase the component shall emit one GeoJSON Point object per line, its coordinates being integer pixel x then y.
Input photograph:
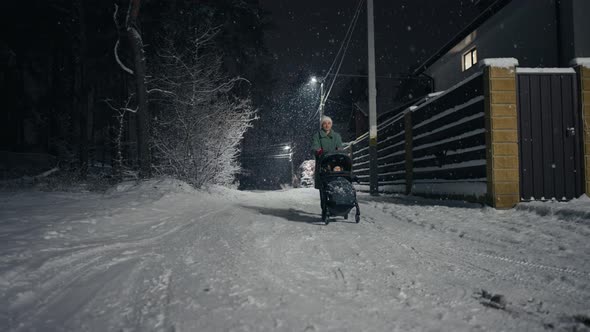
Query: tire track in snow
{"type": "Point", "coordinates": [514, 261]}
{"type": "Point", "coordinates": [408, 272]}
{"type": "Point", "coordinates": [470, 261]}
{"type": "Point", "coordinates": [54, 280]}
{"type": "Point", "coordinates": [365, 266]}
{"type": "Point", "coordinates": [566, 270]}
{"type": "Point", "coordinates": [226, 276]}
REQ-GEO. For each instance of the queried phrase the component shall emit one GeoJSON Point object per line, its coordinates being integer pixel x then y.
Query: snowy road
{"type": "Point", "coordinates": [161, 257]}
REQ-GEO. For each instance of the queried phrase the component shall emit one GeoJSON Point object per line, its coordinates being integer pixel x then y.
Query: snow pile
{"type": "Point", "coordinates": [577, 210]}
{"type": "Point", "coordinates": [164, 184]}
{"type": "Point", "coordinates": [499, 62]}
{"type": "Point", "coordinates": [306, 171]}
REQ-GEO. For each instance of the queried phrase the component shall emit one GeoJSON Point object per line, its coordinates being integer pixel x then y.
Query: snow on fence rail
{"type": "Point", "coordinates": [447, 150]}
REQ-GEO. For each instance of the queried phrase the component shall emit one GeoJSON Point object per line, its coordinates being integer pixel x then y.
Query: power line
{"type": "Point", "coordinates": [335, 102]}
{"type": "Point", "coordinates": [348, 31]}
{"type": "Point", "coordinates": [343, 49]}
{"type": "Point", "coordinates": [354, 20]}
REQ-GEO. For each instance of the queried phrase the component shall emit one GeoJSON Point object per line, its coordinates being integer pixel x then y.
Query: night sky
{"type": "Point", "coordinates": [308, 33]}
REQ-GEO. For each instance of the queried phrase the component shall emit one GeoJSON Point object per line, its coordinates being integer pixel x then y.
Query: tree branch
{"type": "Point", "coordinates": [116, 48]}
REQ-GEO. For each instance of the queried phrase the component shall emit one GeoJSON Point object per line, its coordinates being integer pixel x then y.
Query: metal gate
{"type": "Point", "coordinates": [550, 135]}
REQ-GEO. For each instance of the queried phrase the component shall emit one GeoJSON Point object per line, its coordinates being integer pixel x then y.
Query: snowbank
{"type": "Point", "coordinates": [576, 210]}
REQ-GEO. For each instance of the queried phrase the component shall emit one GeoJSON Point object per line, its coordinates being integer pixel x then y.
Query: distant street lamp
{"type": "Point", "coordinates": [314, 80]}
{"type": "Point", "coordinates": [287, 147]}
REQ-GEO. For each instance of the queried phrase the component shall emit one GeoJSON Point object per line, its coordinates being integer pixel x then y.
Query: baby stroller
{"type": "Point", "coordinates": [338, 196]}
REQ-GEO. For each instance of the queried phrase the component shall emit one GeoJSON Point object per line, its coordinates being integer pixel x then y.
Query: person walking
{"type": "Point", "coordinates": [324, 141]}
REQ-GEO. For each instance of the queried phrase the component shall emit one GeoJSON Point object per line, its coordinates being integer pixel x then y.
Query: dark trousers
{"type": "Point", "coordinates": [322, 198]}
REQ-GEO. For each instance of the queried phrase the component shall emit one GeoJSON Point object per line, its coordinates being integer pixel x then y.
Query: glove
{"type": "Point", "coordinates": [319, 152]}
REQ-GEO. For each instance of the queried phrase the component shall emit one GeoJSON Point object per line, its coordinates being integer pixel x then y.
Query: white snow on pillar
{"type": "Point", "coordinates": [499, 62]}
{"type": "Point", "coordinates": [585, 62]}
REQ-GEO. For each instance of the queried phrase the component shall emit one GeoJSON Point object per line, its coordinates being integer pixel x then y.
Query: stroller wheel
{"type": "Point", "coordinates": [325, 218]}
{"type": "Point", "coordinates": [346, 217]}
{"type": "Point", "coordinates": [357, 218]}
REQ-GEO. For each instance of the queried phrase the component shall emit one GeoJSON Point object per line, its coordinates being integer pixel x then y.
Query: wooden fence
{"type": "Point", "coordinates": [436, 147]}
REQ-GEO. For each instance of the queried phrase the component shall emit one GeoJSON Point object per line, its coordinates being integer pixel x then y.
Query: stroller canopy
{"type": "Point", "coordinates": [342, 159]}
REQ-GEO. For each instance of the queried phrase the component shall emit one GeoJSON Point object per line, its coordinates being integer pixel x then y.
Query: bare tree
{"type": "Point", "coordinates": [122, 111]}
{"type": "Point", "coordinates": [198, 131]}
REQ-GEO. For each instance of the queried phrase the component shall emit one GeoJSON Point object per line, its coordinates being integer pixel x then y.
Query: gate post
{"type": "Point", "coordinates": [583, 70]}
{"type": "Point", "coordinates": [502, 157]}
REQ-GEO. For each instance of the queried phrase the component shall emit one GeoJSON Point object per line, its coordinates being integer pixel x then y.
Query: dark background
{"type": "Point", "coordinates": [56, 59]}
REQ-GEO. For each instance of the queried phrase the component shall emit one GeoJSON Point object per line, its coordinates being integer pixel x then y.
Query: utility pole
{"type": "Point", "coordinates": [373, 167]}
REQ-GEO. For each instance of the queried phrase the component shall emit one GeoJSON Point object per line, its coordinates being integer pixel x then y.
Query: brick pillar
{"type": "Point", "coordinates": [503, 172]}
{"type": "Point", "coordinates": [584, 80]}
{"type": "Point", "coordinates": [409, 155]}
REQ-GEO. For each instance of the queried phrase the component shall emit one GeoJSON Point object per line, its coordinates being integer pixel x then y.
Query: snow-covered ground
{"type": "Point", "coordinates": [162, 257]}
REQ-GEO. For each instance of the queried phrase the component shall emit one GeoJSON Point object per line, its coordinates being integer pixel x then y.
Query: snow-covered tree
{"type": "Point", "coordinates": [200, 123]}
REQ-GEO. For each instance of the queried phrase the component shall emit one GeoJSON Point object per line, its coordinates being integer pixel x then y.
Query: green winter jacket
{"type": "Point", "coordinates": [329, 142]}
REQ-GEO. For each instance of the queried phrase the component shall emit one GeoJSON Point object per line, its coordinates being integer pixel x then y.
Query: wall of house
{"type": "Point", "coordinates": [567, 31]}
{"type": "Point", "coordinates": [575, 30]}
{"type": "Point", "coordinates": [524, 29]}
{"type": "Point", "coordinates": [581, 10]}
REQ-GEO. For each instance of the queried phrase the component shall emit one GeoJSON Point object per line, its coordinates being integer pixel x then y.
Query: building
{"type": "Point", "coordinates": [538, 33]}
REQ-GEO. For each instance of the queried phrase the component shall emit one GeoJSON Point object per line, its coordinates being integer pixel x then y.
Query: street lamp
{"type": "Point", "coordinates": [314, 80]}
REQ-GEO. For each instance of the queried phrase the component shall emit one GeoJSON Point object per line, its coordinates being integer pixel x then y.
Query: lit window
{"type": "Point", "coordinates": [469, 59]}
